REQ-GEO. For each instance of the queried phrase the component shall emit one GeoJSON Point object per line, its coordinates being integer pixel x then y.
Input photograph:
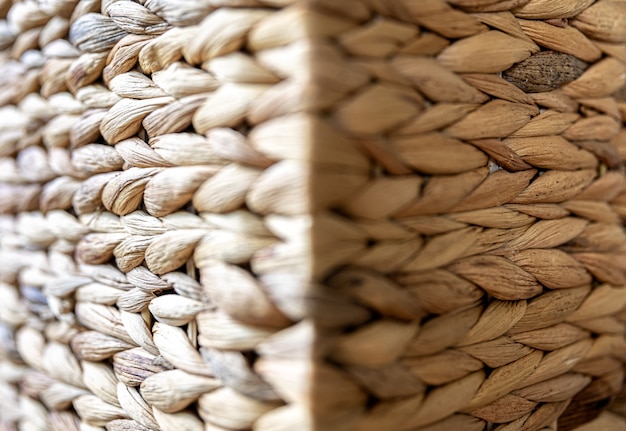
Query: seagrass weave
{"type": "Point", "coordinates": [312, 215]}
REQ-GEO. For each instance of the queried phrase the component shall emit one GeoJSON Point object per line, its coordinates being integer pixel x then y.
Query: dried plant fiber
{"type": "Point", "coordinates": [312, 215]}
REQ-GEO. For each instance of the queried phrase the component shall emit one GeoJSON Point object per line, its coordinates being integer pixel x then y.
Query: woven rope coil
{"type": "Point", "coordinates": [312, 215]}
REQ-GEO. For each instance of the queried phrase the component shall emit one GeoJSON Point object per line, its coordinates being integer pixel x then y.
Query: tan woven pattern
{"type": "Point", "coordinates": [109, 319]}
{"type": "Point", "coordinates": [493, 281]}
{"type": "Point", "coordinates": [326, 215]}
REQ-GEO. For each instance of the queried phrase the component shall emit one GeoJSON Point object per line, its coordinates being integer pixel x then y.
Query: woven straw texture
{"type": "Point", "coordinates": [334, 215]}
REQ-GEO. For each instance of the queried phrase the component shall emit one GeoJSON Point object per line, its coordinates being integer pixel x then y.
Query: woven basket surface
{"type": "Point", "coordinates": [334, 215]}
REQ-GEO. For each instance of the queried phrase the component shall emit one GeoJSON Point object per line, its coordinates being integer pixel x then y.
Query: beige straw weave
{"type": "Point", "coordinates": [312, 215]}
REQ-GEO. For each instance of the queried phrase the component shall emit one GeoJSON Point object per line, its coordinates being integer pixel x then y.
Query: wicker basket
{"type": "Point", "coordinates": [333, 215]}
